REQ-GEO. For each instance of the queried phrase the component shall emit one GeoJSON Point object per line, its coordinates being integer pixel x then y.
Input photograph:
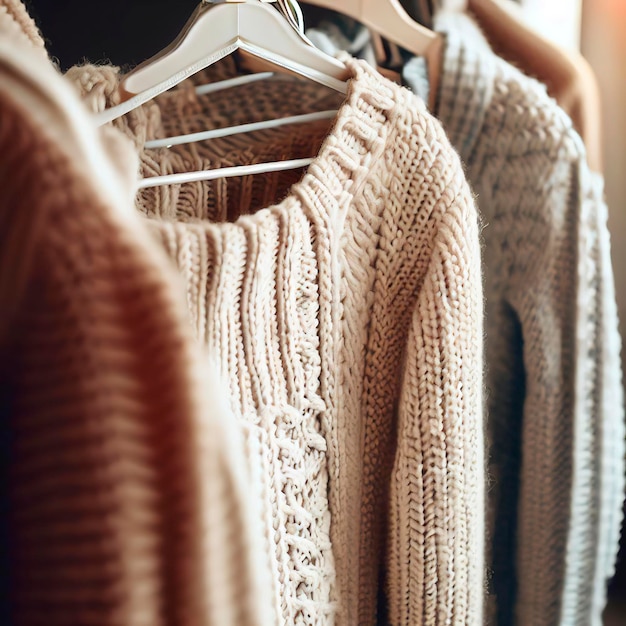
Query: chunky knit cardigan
{"type": "Point", "coordinates": [129, 493]}
{"type": "Point", "coordinates": [556, 419]}
{"type": "Point", "coordinates": [347, 320]}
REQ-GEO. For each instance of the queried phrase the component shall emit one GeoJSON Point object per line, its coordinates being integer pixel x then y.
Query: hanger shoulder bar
{"type": "Point", "coordinates": [217, 30]}
{"type": "Point", "coordinates": [254, 25]}
{"type": "Point", "coordinates": [389, 19]}
{"type": "Point", "coordinates": [223, 172]}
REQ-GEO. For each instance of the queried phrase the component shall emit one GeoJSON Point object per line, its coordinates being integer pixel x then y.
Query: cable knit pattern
{"type": "Point", "coordinates": [276, 385]}
{"type": "Point", "coordinates": [129, 493]}
{"type": "Point", "coordinates": [552, 345]}
{"type": "Point", "coordinates": [347, 320]}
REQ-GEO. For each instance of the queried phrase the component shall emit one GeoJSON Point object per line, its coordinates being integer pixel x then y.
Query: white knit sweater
{"type": "Point", "coordinates": [347, 319]}
{"type": "Point", "coordinates": [552, 345]}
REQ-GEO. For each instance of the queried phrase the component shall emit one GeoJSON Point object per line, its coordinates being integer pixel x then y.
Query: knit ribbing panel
{"type": "Point", "coordinates": [613, 427]}
{"type": "Point", "coordinates": [587, 497]}
{"type": "Point", "coordinates": [600, 449]}
{"type": "Point", "coordinates": [436, 534]}
{"type": "Point", "coordinates": [253, 292]}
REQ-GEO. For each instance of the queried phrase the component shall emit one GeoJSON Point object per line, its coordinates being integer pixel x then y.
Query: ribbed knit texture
{"type": "Point", "coordinates": [552, 333]}
{"type": "Point", "coordinates": [612, 402]}
{"type": "Point", "coordinates": [129, 495]}
{"type": "Point", "coordinates": [347, 319]}
{"type": "Point", "coordinates": [552, 345]}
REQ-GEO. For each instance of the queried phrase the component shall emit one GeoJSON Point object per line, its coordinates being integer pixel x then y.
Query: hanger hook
{"type": "Point", "coordinates": [290, 9]}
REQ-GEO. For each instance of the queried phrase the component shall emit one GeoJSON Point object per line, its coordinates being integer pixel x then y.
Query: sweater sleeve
{"type": "Point", "coordinates": [558, 303]}
{"type": "Point", "coordinates": [610, 416]}
{"type": "Point", "coordinates": [585, 364]}
{"type": "Point", "coordinates": [435, 557]}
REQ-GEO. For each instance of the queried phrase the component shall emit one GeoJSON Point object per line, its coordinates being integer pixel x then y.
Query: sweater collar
{"type": "Point", "coordinates": [467, 80]}
{"type": "Point", "coordinates": [356, 140]}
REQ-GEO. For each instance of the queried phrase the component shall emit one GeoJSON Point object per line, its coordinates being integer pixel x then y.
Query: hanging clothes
{"type": "Point", "coordinates": [347, 318]}
{"type": "Point", "coordinates": [553, 371]}
{"type": "Point", "coordinates": [129, 497]}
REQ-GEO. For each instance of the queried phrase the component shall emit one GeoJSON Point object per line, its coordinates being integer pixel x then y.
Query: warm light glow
{"type": "Point", "coordinates": [558, 20]}
{"type": "Point", "coordinates": [616, 8]}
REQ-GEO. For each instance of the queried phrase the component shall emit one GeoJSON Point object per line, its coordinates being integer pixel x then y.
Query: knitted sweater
{"type": "Point", "coordinates": [129, 494]}
{"type": "Point", "coordinates": [555, 406]}
{"type": "Point", "coordinates": [555, 398]}
{"type": "Point", "coordinates": [347, 320]}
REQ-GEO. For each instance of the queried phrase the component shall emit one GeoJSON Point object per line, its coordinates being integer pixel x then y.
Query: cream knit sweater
{"type": "Point", "coordinates": [347, 320]}
{"type": "Point", "coordinates": [553, 369]}
{"type": "Point", "coordinates": [129, 492]}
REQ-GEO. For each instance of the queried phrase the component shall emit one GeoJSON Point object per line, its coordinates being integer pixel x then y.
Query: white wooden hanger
{"type": "Point", "coordinates": [229, 131]}
{"type": "Point", "coordinates": [223, 172]}
{"type": "Point", "coordinates": [216, 29]}
{"type": "Point", "coordinates": [389, 19]}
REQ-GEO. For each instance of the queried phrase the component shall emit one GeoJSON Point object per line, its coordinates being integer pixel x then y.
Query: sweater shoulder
{"type": "Point", "coordinates": [437, 190]}
{"type": "Point", "coordinates": [524, 121]}
{"type": "Point", "coordinates": [417, 189]}
{"type": "Point", "coordinates": [532, 177]}
{"type": "Point", "coordinates": [420, 156]}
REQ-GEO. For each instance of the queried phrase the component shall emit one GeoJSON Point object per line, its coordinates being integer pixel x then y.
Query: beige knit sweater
{"type": "Point", "coordinates": [129, 491]}
{"type": "Point", "coordinates": [346, 319]}
{"type": "Point", "coordinates": [555, 403]}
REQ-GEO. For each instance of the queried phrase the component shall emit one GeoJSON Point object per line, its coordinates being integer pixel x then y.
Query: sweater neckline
{"type": "Point", "coordinates": [357, 137]}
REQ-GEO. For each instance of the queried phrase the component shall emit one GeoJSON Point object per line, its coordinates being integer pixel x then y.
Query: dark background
{"type": "Point", "coordinates": [121, 32]}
